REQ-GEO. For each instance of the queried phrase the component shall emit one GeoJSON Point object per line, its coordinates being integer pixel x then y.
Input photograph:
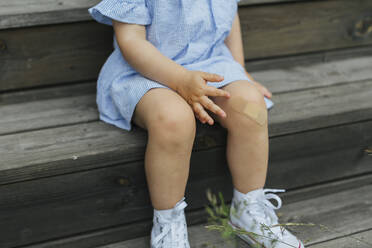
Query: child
{"type": "Point", "coordinates": [175, 60]}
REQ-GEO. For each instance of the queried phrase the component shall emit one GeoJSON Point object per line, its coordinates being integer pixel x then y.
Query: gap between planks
{"type": "Point", "coordinates": [14, 14]}
{"type": "Point", "coordinates": [88, 239]}
{"type": "Point", "coordinates": [344, 213]}
{"type": "Point", "coordinates": [317, 86]}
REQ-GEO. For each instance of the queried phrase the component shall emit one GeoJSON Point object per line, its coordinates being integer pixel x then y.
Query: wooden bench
{"type": "Point", "coordinates": [68, 179]}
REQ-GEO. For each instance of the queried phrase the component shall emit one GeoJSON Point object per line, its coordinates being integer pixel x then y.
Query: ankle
{"type": "Point", "coordinates": [168, 214]}
{"type": "Point", "coordinates": [239, 196]}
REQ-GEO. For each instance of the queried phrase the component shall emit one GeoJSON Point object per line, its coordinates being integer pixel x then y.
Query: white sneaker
{"type": "Point", "coordinates": [254, 212]}
{"type": "Point", "coordinates": [169, 228]}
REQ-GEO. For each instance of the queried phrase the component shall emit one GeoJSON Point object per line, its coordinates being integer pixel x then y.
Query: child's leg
{"type": "Point", "coordinates": [247, 154]}
{"type": "Point", "coordinates": [170, 122]}
{"type": "Point", "coordinates": [247, 141]}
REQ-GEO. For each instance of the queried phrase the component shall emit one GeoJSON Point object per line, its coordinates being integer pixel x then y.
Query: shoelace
{"type": "Point", "coordinates": [171, 226]}
{"type": "Point", "coordinates": [264, 209]}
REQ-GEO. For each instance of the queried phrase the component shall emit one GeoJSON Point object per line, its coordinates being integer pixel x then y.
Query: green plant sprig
{"type": "Point", "coordinates": [219, 217]}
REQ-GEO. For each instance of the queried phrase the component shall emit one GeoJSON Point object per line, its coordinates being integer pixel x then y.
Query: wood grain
{"type": "Point", "coordinates": [52, 54]}
{"type": "Point", "coordinates": [311, 75]}
{"type": "Point", "coordinates": [359, 240]}
{"type": "Point", "coordinates": [64, 174]}
{"type": "Point", "coordinates": [272, 31]}
{"type": "Point", "coordinates": [198, 217]}
{"type": "Point", "coordinates": [76, 51]}
{"type": "Point", "coordinates": [47, 93]}
{"type": "Point", "coordinates": [99, 197]}
{"type": "Point", "coordinates": [320, 107]}
{"type": "Point", "coordinates": [25, 13]}
{"type": "Point", "coordinates": [48, 113]}
{"type": "Point", "coordinates": [14, 14]}
{"type": "Point", "coordinates": [330, 210]}
{"type": "Point", "coordinates": [98, 141]}
{"type": "Point", "coordinates": [307, 108]}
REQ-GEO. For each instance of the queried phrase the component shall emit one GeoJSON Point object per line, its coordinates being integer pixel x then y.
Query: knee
{"type": "Point", "coordinates": [252, 94]}
{"type": "Point", "coordinates": [255, 114]}
{"type": "Point", "coordinates": [174, 126]}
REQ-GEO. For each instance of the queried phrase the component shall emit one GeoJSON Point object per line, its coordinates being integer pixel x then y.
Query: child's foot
{"type": "Point", "coordinates": [254, 213]}
{"type": "Point", "coordinates": [169, 228]}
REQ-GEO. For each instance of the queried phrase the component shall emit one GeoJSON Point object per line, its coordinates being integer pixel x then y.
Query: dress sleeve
{"type": "Point", "coordinates": [129, 11]}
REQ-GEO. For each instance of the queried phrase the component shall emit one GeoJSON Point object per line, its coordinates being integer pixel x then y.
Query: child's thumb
{"type": "Point", "coordinates": [212, 77]}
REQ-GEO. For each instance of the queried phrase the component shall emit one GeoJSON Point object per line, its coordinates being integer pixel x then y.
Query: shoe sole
{"type": "Point", "coordinates": [246, 238]}
{"type": "Point", "coordinates": [252, 241]}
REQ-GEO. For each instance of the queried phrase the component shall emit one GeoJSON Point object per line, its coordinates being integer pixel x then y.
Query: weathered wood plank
{"type": "Point", "coordinates": [327, 188]}
{"type": "Point", "coordinates": [24, 13]}
{"type": "Point", "coordinates": [47, 93]}
{"type": "Point", "coordinates": [311, 75]}
{"type": "Point", "coordinates": [333, 211]}
{"type": "Point", "coordinates": [15, 14]}
{"type": "Point", "coordinates": [99, 202]}
{"type": "Point", "coordinates": [321, 107]}
{"type": "Point", "coordinates": [73, 53]}
{"type": "Point", "coordinates": [117, 194]}
{"type": "Point", "coordinates": [337, 211]}
{"type": "Point", "coordinates": [78, 50]}
{"type": "Point", "coordinates": [48, 113]}
{"type": "Point", "coordinates": [142, 228]}
{"type": "Point", "coordinates": [74, 147]}
{"type": "Point", "coordinates": [76, 103]}
{"type": "Point", "coordinates": [359, 240]}
{"type": "Point", "coordinates": [309, 59]}
{"type": "Point", "coordinates": [250, 2]}
{"type": "Point", "coordinates": [270, 31]}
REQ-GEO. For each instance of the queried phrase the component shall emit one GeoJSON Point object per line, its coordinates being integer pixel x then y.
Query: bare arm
{"type": "Point", "coordinates": [234, 42]}
{"type": "Point", "coordinates": [146, 59]}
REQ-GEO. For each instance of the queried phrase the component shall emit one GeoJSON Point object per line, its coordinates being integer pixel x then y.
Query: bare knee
{"type": "Point", "coordinates": [247, 110]}
{"type": "Point", "coordinates": [173, 126]}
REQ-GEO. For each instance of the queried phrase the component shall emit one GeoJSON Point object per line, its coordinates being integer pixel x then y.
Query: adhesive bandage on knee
{"type": "Point", "coordinates": [252, 110]}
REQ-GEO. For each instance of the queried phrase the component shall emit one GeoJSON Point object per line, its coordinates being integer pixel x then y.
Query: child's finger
{"type": "Point", "coordinates": [199, 118]}
{"type": "Point", "coordinates": [268, 93]}
{"type": "Point", "coordinates": [263, 89]}
{"type": "Point", "coordinates": [210, 105]}
{"type": "Point", "coordinates": [213, 91]}
{"type": "Point", "coordinates": [211, 77]}
{"type": "Point", "coordinates": [199, 110]}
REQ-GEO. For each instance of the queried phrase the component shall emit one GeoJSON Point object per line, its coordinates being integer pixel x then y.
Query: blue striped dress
{"type": "Point", "coordinates": [190, 32]}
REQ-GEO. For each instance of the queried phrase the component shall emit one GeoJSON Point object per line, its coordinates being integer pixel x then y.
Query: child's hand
{"type": "Point", "coordinates": [194, 89]}
{"type": "Point", "coordinates": [264, 91]}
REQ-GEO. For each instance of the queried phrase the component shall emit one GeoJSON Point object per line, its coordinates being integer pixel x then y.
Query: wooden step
{"type": "Point", "coordinates": [64, 173]}
{"type": "Point", "coordinates": [199, 216]}
{"type": "Point", "coordinates": [14, 14]}
{"type": "Point", "coordinates": [346, 214]}
{"type": "Point", "coordinates": [76, 48]}
{"type": "Point", "coordinates": [76, 103]}
{"type": "Point", "coordinates": [295, 112]}
{"type": "Point", "coordinates": [358, 240]}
